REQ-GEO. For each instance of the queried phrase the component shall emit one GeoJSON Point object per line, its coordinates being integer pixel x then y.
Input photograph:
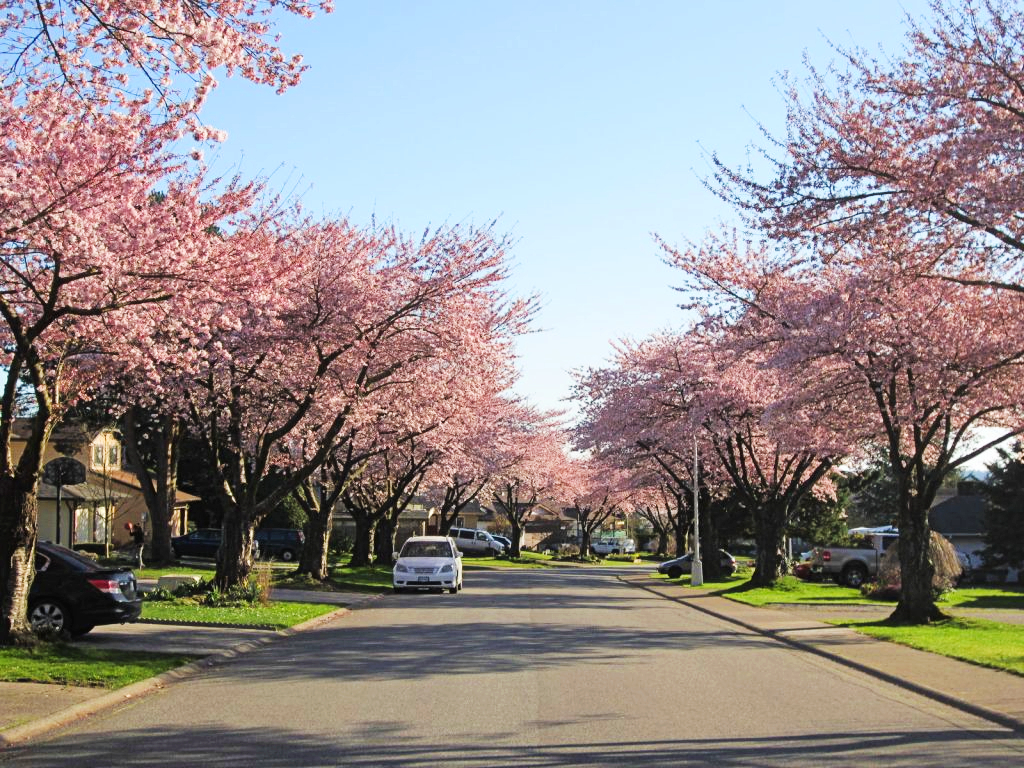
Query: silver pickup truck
{"type": "Point", "coordinates": [852, 566]}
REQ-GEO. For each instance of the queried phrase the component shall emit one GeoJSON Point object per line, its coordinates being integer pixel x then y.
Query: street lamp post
{"type": "Point", "coordinates": [696, 569]}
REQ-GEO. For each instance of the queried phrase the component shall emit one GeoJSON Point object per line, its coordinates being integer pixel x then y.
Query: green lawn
{"type": "Point", "coordinates": [985, 597]}
{"type": "Point", "coordinates": [525, 560]}
{"type": "Point", "coordinates": [988, 643]}
{"type": "Point", "coordinates": [343, 578]}
{"type": "Point", "coordinates": [93, 667]}
{"type": "Point", "coordinates": [274, 615]}
{"type": "Point", "coordinates": [794, 591]}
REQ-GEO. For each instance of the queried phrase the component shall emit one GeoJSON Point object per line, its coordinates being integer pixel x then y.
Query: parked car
{"type": "Point", "coordinates": [613, 545]}
{"type": "Point", "coordinates": [428, 562]}
{"type": "Point", "coordinates": [680, 565]}
{"type": "Point", "coordinates": [72, 593]}
{"type": "Point", "coordinates": [281, 543]}
{"type": "Point", "coordinates": [802, 570]}
{"type": "Point", "coordinates": [203, 542]}
{"type": "Point", "coordinates": [475, 542]}
{"type": "Point", "coordinates": [505, 541]}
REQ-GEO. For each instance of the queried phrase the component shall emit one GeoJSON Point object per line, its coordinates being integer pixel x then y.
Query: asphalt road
{"type": "Point", "coordinates": [528, 668]}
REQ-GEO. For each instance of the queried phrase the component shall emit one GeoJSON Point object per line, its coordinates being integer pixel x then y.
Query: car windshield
{"type": "Point", "coordinates": [426, 549]}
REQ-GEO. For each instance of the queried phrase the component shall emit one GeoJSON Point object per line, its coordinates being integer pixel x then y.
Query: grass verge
{"type": "Point", "coordinates": [793, 591]}
{"type": "Point", "coordinates": [64, 664]}
{"type": "Point", "coordinates": [525, 560]}
{"type": "Point", "coordinates": [274, 615]}
{"type": "Point", "coordinates": [987, 643]}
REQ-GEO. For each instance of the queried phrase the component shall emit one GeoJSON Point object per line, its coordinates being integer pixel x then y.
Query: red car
{"type": "Point", "coordinates": [802, 570]}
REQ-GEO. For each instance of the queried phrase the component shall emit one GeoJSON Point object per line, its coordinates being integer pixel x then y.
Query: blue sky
{"type": "Point", "coordinates": [582, 126]}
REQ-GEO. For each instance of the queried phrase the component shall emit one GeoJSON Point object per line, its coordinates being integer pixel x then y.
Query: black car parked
{"type": "Point", "coordinates": [280, 543]}
{"type": "Point", "coordinates": [202, 542]}
{"type": "Point", "coordinates": [73, 593]}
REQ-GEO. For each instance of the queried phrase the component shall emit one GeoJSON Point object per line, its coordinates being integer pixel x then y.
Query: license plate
{"type": "Point", "coordinates": [423, 578]}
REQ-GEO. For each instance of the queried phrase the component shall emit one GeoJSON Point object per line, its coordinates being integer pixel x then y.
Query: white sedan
{"type": "Point", "coordinates": [428, 562]}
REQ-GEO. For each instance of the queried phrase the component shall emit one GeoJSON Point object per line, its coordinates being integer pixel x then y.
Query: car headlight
{"type": "Point", "coordinates": [446, 568]}
{"type": "Point", "coordinates": [401, 568]}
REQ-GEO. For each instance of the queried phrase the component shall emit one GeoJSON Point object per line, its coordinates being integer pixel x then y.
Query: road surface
{"type": "Point", "coordinates": [528, 669]}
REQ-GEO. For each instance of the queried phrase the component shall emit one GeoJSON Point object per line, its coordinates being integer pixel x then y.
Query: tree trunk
{"type": "Point", "coordinates": [362, 547]}
{"type": "Point", "coordinates": [234, 558]}
{"type": "Point", "coordinates": [585, 539]}
{"type": "Point", "coordinates": [384, 541]}
{"type": "Point", "coordinates": [19, 520]}
{"type": "Point", "coordinates": [517, 536]}
{"type": "Point", "coordinates": [18, 517]}
{"type": "Point", "coordinates": [314, 561]}
{"type": "Point", "coordinates": [770, 536]}
{"type": "Point", "coordinates": [662, 550]}
{"type": "Point", "coordinates": [917, 601]}
{"type": "Point", "coordinates": [160, 488]}
{"type": "Point", "coordinates": [680, 529]}
{"type": "Point", "coordinates": [711, 563]}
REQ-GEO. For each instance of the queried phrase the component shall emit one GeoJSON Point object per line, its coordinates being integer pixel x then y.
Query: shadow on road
{"type": "Point", "coordinates": [358, 745]}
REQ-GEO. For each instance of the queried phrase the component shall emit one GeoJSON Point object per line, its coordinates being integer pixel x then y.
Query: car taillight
{"type": "Point", "coordinates": [826, 555]}
{"type": "Point", "coordinates": [109, 586]}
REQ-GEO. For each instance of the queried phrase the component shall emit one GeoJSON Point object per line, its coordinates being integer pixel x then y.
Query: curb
{"type": "Point", "coordinates": [985, 713]}
{"type": "Point", "coordinates": [22, 733]}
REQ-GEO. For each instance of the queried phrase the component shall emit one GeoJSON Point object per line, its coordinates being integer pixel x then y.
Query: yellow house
{"type": "Point", "coordinates": [93, 512]}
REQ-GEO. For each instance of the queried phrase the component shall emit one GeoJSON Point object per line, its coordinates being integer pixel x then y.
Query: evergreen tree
{"type": "Point", "coordinates": [1005, 513]}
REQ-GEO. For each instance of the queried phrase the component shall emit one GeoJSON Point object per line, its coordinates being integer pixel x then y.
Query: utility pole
{"type": "Point", "coordinates": [697, 569]}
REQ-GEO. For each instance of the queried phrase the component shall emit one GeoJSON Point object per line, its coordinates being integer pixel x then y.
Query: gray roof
{"type": "Point", "coordinates": [964, 515]}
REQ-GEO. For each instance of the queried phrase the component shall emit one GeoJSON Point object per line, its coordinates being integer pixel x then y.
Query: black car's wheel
{"type": "Point", "coordinates": [453, 590]}
{"type": "Point", "coordinates": [675, 572]}
{"type": "Point", "coordinates": [287, 555]}
{"type": "Point", "coordinates": [49, 616]}
{"type": "Point", "coordinates": [854, 575]}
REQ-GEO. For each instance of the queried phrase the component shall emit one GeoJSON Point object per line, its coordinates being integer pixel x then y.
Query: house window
{"type": "Point", "coordinates": [113, 455]}
{"type": "Point", "coordinates": [97, 454]}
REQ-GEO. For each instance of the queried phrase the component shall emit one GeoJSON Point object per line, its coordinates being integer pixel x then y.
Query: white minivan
{"type": "Point", "coordinates": [613, 545]}
{"type": "Point", "coordinates": [475, 542]}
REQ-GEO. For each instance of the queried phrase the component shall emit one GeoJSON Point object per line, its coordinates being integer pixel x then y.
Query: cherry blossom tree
{"type": "Point", "coordinates": [102, 49]}
{"type": "Point", "coordinates": [532, 450]}
{"type": "Point", "coordinates": [884, 355]}
{"type": "Point", "coordinates": [328, 327]}
{"type": "Point", "coordinates": [598, 491]}
{"type": "Point", "coordinates": [90, 261]}
{"type": "Point", "coordinates": [928, 139]}
{"type": "Point", "coordinates": [469, 458]}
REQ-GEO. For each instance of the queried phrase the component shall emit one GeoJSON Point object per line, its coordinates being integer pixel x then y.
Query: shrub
{"type": "Point", "coordinates": [943, 555]}
{"type": "Point", "coordinates": [340, 545]}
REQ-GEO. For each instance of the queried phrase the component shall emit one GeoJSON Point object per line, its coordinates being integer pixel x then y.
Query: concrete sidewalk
{"type": "Point", "coordinates": [988, 693]}
{"type": "Point", "coordinates": [28, 710]}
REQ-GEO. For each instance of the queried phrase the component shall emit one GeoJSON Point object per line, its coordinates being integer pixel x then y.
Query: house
{"type": "Point", "coordinates": [961, 519]}
{"type": "Point", "coordinates": [419, 518]}
{"type": "Point", "coordinates": [93, 512]}
{"type": "Point", "coordinates": [545, 525]}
